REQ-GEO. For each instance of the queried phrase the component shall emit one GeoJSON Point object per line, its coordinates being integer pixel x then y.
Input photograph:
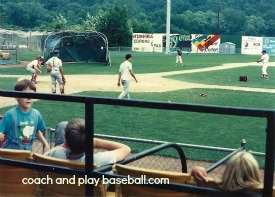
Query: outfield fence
{"type": "Point", "coordinates": [228, 51]}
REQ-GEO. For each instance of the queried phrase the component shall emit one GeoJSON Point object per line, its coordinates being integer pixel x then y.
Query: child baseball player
{"type": "Point", "coordinates": [35, 67]}
{"type": "Point", "coordinates": [179, 58]}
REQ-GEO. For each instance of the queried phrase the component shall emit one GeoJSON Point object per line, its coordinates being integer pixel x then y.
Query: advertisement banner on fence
{"type": "Point", "coordinates": [269, 45]}
{"type": "Point", "coordinates": [142, 42]}
{"type": "Point", "coordinates": [157, 43]}
{"type": "Point", "coordinates": [180, 41]}
{"type": "Point", "coordinates": [252, 45]}
{"type": "Point", "coordinates": [205, 43]}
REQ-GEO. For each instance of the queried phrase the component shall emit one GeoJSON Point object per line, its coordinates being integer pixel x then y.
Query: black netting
{"type": "Point", "coordinates": [74, 47]}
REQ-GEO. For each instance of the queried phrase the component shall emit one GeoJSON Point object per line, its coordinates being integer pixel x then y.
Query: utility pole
{"type": "Point", "coordinates": [218, 19]}
{"type": "Point", "coordinates": [168, 21]}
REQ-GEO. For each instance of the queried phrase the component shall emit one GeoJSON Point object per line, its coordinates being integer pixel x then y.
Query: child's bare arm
{"type": "Point", "coordinates": [37, 69]}
{"type": "Point", "coordinates": [121, 151]}
{"type": "Point", "coordinates": [41, 137]}
{"type": "Point", "coordinates": [2, 137]}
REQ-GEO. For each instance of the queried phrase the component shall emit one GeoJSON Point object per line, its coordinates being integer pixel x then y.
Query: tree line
{"type": "Point", "coordinates": [118, 19]}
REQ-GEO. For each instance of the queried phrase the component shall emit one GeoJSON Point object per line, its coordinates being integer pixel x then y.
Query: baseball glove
{"type": "Point", "coordinates": [49, 68]}
{"type": "Point", "coordinates": [63, 80]}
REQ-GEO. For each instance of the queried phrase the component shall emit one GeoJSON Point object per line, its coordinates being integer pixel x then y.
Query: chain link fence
{"type": "Point", "coordinates": [8, 56]}
{"type": "Point", "coordinates": [224, 50]}
{"type": "Point", "coordinates": [31, 40]}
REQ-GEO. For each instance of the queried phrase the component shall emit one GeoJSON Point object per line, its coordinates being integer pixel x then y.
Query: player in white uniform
{"type": "Point", "coordinates": [54, 65]}
{"type": "Point", "coordinates": [125, 71]}
{"type": "Point", "coordinates": [265, 61]}
{"type": "Point", "coordinates": [35, 67]}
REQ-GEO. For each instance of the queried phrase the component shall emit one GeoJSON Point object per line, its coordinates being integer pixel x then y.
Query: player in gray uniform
{"type": "Point", "coordinates": [54, 65]}
{"type": "Point", "coordinates": [179, 58]}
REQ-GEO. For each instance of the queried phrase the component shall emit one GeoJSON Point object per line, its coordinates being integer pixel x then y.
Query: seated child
{"type": "Point", "coordinates": [240, 174]}
{"type": "Point", "coordinates": [74, 146]}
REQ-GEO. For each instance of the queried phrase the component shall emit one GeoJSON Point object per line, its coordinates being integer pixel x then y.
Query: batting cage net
{"type": "Point", "coordinates": [89, 46]}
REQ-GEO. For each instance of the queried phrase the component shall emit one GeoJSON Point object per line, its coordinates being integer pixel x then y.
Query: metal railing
{"type": "Point", "coordinates": [89, 103]}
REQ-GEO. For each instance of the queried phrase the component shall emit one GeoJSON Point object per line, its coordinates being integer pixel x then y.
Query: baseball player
{"type": "Point", "coordinates": [125, 70]}
{"type": "Point", "coordinates": [178, 57]}
{"type": "Point", "coordinates": [35, 67]}
{"type": "Point", "coordinates": [265, 61]}
{"type": "Point", "coordinates": [54, 65]}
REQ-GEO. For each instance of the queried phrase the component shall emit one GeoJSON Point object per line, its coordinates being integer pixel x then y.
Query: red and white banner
{"type": "Point", "coordinates": [205, 43]}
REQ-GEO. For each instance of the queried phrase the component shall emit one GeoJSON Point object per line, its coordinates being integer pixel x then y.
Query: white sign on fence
{"type": "Point", "coordinates": [252, 45]}
{"type": "Point", "coordinates": [142, 42]}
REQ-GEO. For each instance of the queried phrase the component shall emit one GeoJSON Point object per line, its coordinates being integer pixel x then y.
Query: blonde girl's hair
{"type": "Point", "coordinates": [241, 173]}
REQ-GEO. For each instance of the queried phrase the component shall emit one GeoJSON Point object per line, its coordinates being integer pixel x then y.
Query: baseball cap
{"type": "Point", "coordinates": [128, 56]}
{"type": "Point", "coordinates": [56, 51]}
{"type": "Point", "coordinates": [264, 51]}
{"type": "Point", "coordinates": [40, 58]}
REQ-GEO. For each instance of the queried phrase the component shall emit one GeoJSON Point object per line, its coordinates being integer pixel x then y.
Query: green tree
{"type": "Point", "coordinates": [3, 17]}
{"type": "Point", "coordinates": [196, 22]}
{"type": "Point", "coordinates": [75, 13]}
{"type": "Point", "coordinates": [59, 22]}
{"type": "Point", "coordinates": [232, 21]}
{"type": "Point", "coordinates": [115, 25]}
{"type": "Point", "coordinates": [254, 25]}
{"type": "Point", "coordinates": [139, 26]}
{"type": "Point", "coordinates": [93, 22]}
{"type": "Point", "coordinates": [187, 16]}
{"type": "Point", "coordinates": [159, 18]}
{"type": "Point", "coordinates": [178, 7]}
{"type": "Point", "coordinates": [26, 15]}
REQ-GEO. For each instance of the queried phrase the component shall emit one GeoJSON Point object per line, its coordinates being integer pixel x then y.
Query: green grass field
{"type": "Point", "coordinates": [230, 77]}
{"type": "Point", "coordinates": [7, 83]}
{"type": "Point", "coordinates": [183, 127]}
{"type": "Point", "coordinates": [173, 126]}
{"type": "Point", "coordinates": [142, 63]}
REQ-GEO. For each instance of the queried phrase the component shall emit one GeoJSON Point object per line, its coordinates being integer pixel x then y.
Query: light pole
{"type": "Point", "coordinates": [218, 19]}
{"type": "Point", "coordinates": [168, 21]}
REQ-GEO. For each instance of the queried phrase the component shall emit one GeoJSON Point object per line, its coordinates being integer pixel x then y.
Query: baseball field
{"type": "Point", "coordinates": [217, 76]}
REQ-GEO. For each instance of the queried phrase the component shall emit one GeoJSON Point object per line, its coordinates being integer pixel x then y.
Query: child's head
{"type": "Point", "coordinates": [25, 85]}
{"type": "Point", "coordinates": [241, 172]}
{"type": "Point", "coordinates": [75, 135]}
{"type": "Point", "coordinates": [40, 58]}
